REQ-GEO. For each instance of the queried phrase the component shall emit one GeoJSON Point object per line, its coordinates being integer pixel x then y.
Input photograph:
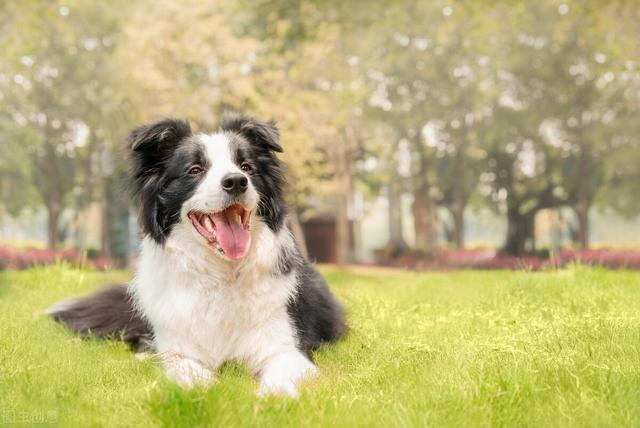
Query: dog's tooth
{"type": "Point", "coordinates": [236, 217]}
{"type": "Point", "coordinates": [208, 224]}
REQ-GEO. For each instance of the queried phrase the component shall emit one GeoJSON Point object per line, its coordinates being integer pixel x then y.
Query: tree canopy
{"type": "Point", "coordinates": [517, 106]}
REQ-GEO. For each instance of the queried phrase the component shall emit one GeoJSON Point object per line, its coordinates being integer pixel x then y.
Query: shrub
{"type": "Point", "coordinates": [21, 258]}
{"type": "Point", "coordinates": [490, 259]}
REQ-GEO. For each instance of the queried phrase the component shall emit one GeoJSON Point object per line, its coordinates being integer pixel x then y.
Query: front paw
{"type": "Point", "coordinates": [283, 373]}
{"type": "Point", "coordinates": [187, 372]}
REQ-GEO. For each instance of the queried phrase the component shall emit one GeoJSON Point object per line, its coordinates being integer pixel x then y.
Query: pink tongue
{"type": "Point", "coordinates": [232, 237]}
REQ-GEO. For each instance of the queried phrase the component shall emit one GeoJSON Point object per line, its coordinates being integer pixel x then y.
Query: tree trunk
{"type": "Point", "coordinates": [457, 214]}
{"type": "Point", "coordinates": [520, 232]}
{"type": "Point", "coordinates": [423, 207]}
{"type": "Point", "coordinates": [514, 244]}
{"type": "Point", "coordinates": [530, 240]}
{"type": "Point", "coordinates": [107, 218]}
{"type": "Point", "coordinates": [423, 220]}
{"type": "Point", "coordinates": [53, 217]}
{"type": "Point", "coordinates": [395, 213]}
{"type": "Point", "coordinates": [343, 180]}
{"type": "Point", "coordinates": [342, 233]}
{"type": "Point", "coordinates": [582, 212]}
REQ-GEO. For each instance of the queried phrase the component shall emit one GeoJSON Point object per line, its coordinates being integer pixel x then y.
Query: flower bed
{"type": "Point", "coordinates": [22, 258]}
{"type": "Point", "coordinates": [491, 259]}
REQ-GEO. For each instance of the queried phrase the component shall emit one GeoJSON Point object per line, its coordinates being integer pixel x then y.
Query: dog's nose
{"type": "Point", "coordinates": [235, 183]}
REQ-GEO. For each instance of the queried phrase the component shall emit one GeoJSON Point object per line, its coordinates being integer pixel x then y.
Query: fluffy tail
{"type": "Point", "coordinates": [109, 313]}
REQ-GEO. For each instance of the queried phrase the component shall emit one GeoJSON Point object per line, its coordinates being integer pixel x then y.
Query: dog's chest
{"type": "Point", "coordinates": [209, 313]}
{"type": "Point", "coordinates": [235, 305]}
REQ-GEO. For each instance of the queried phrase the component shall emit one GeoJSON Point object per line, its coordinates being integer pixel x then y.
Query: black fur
{"type": "Point", "coordinates": [109, 313]}
{"type": "Point", "coordinates": [162, 155]}
{"type": "Point", "coordinates": [255, 142]}
{"type": "Point", "coordinates": [316, 315]}
{"type": "Point", "coordinates": [261, 133]}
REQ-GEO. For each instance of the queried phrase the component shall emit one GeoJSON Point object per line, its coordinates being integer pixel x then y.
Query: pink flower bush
{"type": "Point", "coordinates": [22, 258]}
{"type": "Point", "coordinates": [491, 259]}
{"type": "Point", "coordinates": [610, 258]}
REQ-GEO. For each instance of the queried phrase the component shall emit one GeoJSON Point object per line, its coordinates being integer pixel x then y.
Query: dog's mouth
{"type": "Point", "coordinates": [227, 231]}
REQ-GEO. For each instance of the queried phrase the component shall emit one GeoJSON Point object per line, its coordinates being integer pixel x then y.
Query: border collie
{"type": "Point", "coordinates": [220, 277]}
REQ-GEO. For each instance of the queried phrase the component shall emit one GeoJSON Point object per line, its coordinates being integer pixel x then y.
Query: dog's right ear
{"type": "Point", "coordinates": [152, 144]}
{"type": "Point", "coordinates": [157, 140]}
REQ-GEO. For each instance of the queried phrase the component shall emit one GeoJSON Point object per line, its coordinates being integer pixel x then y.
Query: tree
{"type": "Point", "coordinates": [312, 57]}
{"type": "Point", "coordinates": [582, 99]}
{"type": "Point", "coordinates": [548, 141]}
{"type": "Point", "coordinates": [53, 75]}
{"type": "Point", "coordinates": [425, 85]}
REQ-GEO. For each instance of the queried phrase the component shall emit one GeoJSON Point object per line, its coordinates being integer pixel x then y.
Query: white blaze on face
{"type": "Point", "coordinates": [220, 159]}
{"type": "Point", "coordinates": [210, 196]}
{"type": "Point", "coordinates": [211, 209]}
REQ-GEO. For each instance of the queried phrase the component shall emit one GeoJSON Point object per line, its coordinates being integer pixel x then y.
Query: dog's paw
{"type": "Point", "coordinates": [283, 373]}
{"type": "Point", "coordinates": [188, 373]}
{"type": "Point", "coordinates": [284, 387]}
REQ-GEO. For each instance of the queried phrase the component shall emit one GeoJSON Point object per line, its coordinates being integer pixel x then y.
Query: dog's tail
{"type": "Point", "coordinates": [108, 313]}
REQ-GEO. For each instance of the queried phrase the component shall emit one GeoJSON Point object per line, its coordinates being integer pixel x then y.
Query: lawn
{"type": "Point", "coordinates": [455, 349]}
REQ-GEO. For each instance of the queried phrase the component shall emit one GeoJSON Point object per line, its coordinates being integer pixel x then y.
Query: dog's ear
{"type": "Point", "coordinates": [150, 146]}
{"type": "Point", "coordinates": [156, 141]}
{"type": "Point", "coordinates": [256, 131]}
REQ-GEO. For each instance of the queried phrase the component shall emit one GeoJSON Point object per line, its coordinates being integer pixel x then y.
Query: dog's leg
{"type": "Point", "coordinates": [187, 372]}
{"type": "Point", "coordinates": [282, 373]}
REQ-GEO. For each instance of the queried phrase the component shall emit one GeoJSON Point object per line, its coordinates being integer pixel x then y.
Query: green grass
{"type": "Point", "coordinates": [439, 349]}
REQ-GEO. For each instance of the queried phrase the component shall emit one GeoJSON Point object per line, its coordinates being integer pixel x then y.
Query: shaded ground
{"type": "Point", "coordinates": [443, 349]}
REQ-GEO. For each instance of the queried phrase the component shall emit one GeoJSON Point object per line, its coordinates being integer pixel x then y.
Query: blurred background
{"type": "Point", "coordinates": [421, 134]}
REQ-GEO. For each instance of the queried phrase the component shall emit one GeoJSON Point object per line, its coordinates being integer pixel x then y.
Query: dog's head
{"type": "Point", "coordinates": [218, 183]}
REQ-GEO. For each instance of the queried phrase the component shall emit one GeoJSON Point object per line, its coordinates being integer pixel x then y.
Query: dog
{"type": "Point", "coordinates": [220, 277]}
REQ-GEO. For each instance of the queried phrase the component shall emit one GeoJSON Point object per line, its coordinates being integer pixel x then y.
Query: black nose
{"type": "Point", "coordinates": [235, 183]}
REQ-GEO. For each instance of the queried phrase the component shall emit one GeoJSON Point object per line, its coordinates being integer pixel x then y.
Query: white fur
{"type": "Point", "coordinates": [206, 309]}
{"type": "Point", "coordinates": [209, 195]}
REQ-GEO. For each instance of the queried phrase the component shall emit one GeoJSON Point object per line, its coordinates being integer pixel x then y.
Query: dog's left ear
{"type": "Point", "coordinates": [256, 131]}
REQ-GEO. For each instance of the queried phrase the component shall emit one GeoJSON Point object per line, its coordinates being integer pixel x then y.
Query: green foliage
{"type": "Point", "coordinates": [456, 349]}
{"type": "Point", "coordinates": [517, 106]}
{"type": "Point", "coordinates": [16, 171]}
{"type": "Point", "coordinates": [57, 63]}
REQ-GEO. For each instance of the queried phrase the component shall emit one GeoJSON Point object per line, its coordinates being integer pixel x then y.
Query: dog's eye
{"type": "Point", "coordinates": [245, 167]}
{"type": "Point", "coordinates": [195, 170]}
